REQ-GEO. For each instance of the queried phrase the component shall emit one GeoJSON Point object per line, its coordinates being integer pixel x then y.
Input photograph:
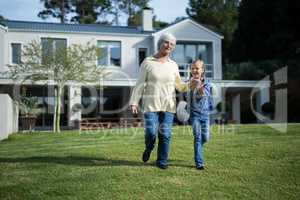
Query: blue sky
{"type": "Point", "coordinates": [166, 10]}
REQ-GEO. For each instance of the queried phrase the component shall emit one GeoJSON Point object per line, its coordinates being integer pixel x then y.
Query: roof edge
{"type": "Point", "coordinates": [194, 22]}
{"type": "Point", "coordinates": [67, 24]}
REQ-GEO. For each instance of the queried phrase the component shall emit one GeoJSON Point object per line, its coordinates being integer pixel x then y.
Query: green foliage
{"type": "Point", "coordinates": [73, 64]}
{"type": "Point", "coordinates": [221, 16]}
{"type": "Point", "coordinates": [56, 9]}
{"type": "Point", "coordinates": [1, 18]}
{"type": "Point", "coordinates": [242, 162]}
{"type": "Point", "coordinates": [88, 12]}
{"type": "Point", "coordinates": [267, 29]}
{"type": "Point", "coordinates": [160, 24]}
{"type": "Point", "coordinates": [28, 106]}
{"type": "Point", "coordinates": [94, 11]}
{"type": "Point", "coordinates": [251, 70]}
{"type": "Point", "coordinates": [133, 9]}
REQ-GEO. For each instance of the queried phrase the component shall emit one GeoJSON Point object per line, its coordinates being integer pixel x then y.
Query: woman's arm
{"type": "Point", "coordinates": [138, 89]}
{"type": "Point", "coordinates": [179, 85]}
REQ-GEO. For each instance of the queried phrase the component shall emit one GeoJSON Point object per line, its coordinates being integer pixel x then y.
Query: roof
{"type": "Point", "coordinates": [60, 27]}
{"type": "Point", "coordinates": [209, 29]}
{"type": "Point", "coordinates": [90, 28]}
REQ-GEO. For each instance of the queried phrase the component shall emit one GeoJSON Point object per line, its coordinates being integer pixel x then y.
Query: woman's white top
{"type": "Point", "coordinates": [156, 86]}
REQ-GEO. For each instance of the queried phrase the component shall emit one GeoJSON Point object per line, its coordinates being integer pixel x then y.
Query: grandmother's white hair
{"type": "Point", "coordinates": [166, 37]}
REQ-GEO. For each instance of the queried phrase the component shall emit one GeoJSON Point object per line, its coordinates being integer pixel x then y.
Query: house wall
{"type": "Point", "coordinates": [2, 35]}
{"type": "Point", "coordinates": [192, 32]}
{"type": "Point", "coordinates": [129, 47]}
{"type": "Point", "coordinates": [8, 118]}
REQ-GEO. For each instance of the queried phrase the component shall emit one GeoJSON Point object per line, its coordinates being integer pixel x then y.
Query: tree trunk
{"type": "Point", "coordinates": [62, 10]}
{"type": "Point", "coordinates": [54, 114]}
{"type": "Point", "coordinates": [56, 120]}
{"type": "Point", "coordinates": [59, 94]}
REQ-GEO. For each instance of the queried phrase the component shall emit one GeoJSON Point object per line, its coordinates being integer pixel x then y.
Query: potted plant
{"type": "Point", "coordinates": [29, 110]}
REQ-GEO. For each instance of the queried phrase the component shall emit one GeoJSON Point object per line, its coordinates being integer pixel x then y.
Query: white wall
{"type": "Point", "coordinates": [8, 117]}
{"type": "Point", "coordinates": [188, 30]}
{"type": "Point", "coordinates": [129, 45]}
{"type": "Point", "coordinates": [2, 34]}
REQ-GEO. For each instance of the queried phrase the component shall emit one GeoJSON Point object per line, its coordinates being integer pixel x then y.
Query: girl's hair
{"type": "Point", "coordinates": [201, 63]}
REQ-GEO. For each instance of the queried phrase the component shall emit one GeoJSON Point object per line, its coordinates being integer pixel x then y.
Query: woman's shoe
{"type": "Point", "coordinates": [200, 167]}
{"type": "Point", "coordinates": [146, 156]}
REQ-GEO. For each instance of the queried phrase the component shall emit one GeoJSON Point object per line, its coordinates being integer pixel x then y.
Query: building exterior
{"type": "Point", "coordinates": [124, 49]}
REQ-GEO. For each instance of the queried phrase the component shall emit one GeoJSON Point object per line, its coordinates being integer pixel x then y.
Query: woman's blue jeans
{"type": "Point", "coordinates": [158, 123]}
{"type": "Point", "coordinates": [201, 135]}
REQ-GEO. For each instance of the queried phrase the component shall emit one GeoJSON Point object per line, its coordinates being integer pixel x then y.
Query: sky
{"type": "Point", "coordinates": [27, 10]}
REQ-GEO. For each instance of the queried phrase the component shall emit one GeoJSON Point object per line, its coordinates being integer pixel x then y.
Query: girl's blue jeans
{"type": "Point", "coordinates": [201, 135]}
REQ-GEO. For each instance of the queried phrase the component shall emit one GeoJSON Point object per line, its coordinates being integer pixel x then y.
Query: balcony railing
{"type": "Point", "coordinates": [185, 71]}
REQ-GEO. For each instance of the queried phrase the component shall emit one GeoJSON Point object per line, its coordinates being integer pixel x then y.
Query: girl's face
{"type": "Point", "coordinates": [197, 71]}
{"type": "Point", "coordinates": [166, 47]}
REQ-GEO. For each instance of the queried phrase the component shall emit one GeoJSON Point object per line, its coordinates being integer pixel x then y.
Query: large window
{"type": "Point", "coordinates": [186, 53]}
{"type": "Point", "coordinates": [16, 53]}
{"type": "Point", "coordinates": [50, 45]}
{"type": "Point", "coordinates": [110, 53]}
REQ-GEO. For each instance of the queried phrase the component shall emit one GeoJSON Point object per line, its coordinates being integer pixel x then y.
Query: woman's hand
{"type": "Point", "coordinates": [134, 109]}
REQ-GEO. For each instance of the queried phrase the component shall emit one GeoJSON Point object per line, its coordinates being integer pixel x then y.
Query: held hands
{"type": "Point", "coordinates": [196, 85]}
{"type": "Point", "coordinates": [134, 109]}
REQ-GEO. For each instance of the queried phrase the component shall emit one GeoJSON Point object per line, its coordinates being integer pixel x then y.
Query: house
{"type": "Point", "coordinates": [125, 48]}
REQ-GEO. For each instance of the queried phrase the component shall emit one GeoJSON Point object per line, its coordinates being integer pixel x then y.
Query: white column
{"type": "Point", "coordinates": [262, 97]}
{"type": "Point", "coordinates": [236, 109]}
{"type": "Point", "coordinates": [218, 94]}
{"type": "Point", "coordinates": [74, 114]}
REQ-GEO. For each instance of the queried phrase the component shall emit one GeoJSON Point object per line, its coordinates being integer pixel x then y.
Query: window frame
{"type": "Point", "coordinates": [11, 52]}
{"type": "Point", "coordinates": [53, 46]}
{"type": "Point", "coordinates": [138, 54]}
{"type": "Point", "coordinates": [184, 43]}
{"type": "Point", "coordinates": [109, 53]}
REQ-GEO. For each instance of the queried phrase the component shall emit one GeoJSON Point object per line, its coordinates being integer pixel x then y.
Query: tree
{"type": "Point", "coordinates": [220, 14]}
{"type": "Point", "coordinates": [1, 18]}
{"type": "Point", "coordinates": [267, 30]}
{"type": "Point", "coordinates": [132, 8]}
{"type": "Point", "coordinates": [159, 24]}
{"type": "Point", "coordinates": [76, 63]}
{"type": "Point", "coordinates": [88, 12]}
{"type": "Point", "coordinates": [56, 8]}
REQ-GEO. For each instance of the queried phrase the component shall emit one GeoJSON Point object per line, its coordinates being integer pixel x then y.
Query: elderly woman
{"type": "Point", "coordinates": [158, 79]}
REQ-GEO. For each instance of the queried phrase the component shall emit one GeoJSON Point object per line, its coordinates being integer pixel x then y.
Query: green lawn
{"type": "Point", "coordinates": [242, 162]}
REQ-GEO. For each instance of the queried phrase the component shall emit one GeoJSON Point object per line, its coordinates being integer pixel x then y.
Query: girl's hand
{"type": "Point", "coordinates": [194, 83]}
{"type": "Point", "coordinates": [200, 89]}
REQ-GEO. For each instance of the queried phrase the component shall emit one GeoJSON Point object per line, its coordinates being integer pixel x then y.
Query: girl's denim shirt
{"type": "Point", "coordinates": [200, 105]}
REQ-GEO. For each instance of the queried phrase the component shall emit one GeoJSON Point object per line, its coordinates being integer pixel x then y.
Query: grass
{"type": "Point", "coordinates": [243, 162]}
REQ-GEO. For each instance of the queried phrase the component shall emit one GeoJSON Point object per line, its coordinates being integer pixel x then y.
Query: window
{"type": "Point", "coordinates": [16, 53]}
{"type": "Point", "coordinates": [142, 55]}
{"type": "Point", "coordinates": [178, 54]}
{"type": "Point", "coordinates": [110, 53]}
{"type": "Point", "coordinates": [50, 45]}
{"type": "Point", "coordinates": [186, 53]}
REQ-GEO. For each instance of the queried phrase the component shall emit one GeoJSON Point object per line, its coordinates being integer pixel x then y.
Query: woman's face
{"type": "Point", "coordinates": [197, 71]}
{"type": "Point", "coordinates": [166, 47]}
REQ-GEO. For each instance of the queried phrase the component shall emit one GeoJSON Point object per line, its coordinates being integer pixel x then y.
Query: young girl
{"type": "Point", "coordinates": [200, 104]}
